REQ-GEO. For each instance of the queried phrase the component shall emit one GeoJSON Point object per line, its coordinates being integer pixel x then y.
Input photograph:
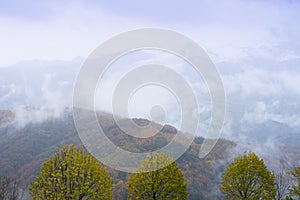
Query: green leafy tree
{"type": "Point", "coordinates": [247, 177]}
{"type": "Point", "coordinates": [295, 189]}
{"type": "Point", "coordinates": [158, 183]}
{"type": "Point", "coordinates": [72, 174]}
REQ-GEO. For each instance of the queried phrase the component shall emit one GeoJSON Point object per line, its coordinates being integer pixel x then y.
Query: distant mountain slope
{"type": "Point", "coordinates": [24, 150]}
{"type": "Point", "coordinates": [6, 118]}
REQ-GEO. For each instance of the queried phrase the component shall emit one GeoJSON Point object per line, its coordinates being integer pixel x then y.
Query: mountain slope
{"type": "Point", "coordinates": [23, 151]}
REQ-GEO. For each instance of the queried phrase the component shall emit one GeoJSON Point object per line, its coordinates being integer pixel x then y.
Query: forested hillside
{"type": "Point", "coordinates": [24, 149]}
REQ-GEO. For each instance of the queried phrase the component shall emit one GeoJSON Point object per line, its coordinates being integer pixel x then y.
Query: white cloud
{"type": "Point", "coordinates": [252, 81]}
{"type": "Point", "coordinates": [7, 91]}
{"type": "Point", "coordinates": [263, 113]}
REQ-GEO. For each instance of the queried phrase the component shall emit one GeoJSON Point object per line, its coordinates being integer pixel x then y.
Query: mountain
{"type": "Point", "coordinates": [6, 118]}
{"type": "Point", "coordinates": [24, 149]}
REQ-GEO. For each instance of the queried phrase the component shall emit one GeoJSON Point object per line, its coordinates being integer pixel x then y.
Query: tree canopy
{"type": "Point", "coordinates": [158, 183]}
{"type": "Point", "coordinates": [72, 174]}
{"type": "Point", "coordinates": [247, 177]}
{"type": "Point", "coordinates": [295, 189]}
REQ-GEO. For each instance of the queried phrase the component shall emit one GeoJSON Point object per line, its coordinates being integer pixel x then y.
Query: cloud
{"type": "Point", "coordinates": [254, 81]}
{"type": "Point", "coordinates": [38, 90]}
{"type": "Point", "coordinates": [263, 113]}
{"type": "Point", "coordinates": [53, 99]}
{"type": "Point", "coordinates": [167, 95]}
{"type": "Point", "coordinates": [7, 91]}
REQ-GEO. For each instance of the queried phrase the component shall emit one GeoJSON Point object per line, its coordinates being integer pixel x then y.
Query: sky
{"type": "Point", "coordinates": [228, 31]}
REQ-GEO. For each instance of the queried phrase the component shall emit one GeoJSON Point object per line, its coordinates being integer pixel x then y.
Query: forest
{"type": "Point", "coordinates": [36, 150]}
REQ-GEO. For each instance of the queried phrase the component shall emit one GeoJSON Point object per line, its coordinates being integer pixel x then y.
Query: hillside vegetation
{"type": "Point", "coordinates": [23, 150]}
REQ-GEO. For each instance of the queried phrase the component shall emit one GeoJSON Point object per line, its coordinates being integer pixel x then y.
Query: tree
{"type": "Point", "coordinates": [119, 190]}
{"type": "Point", "coordinates": [4, 187]}
{"type": "Point", "coordinates": [158, 183]}
{"type": "Point", "coordinates": [282, 182]}
{"type": "Point", "coordinates": [247, 177]}
{"type": "Point", "coordinates": [9, 189]}
{"type": "Point", "coordinates": [72, 174]}
{"type": "Point", "coordinates": [295, 189]}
